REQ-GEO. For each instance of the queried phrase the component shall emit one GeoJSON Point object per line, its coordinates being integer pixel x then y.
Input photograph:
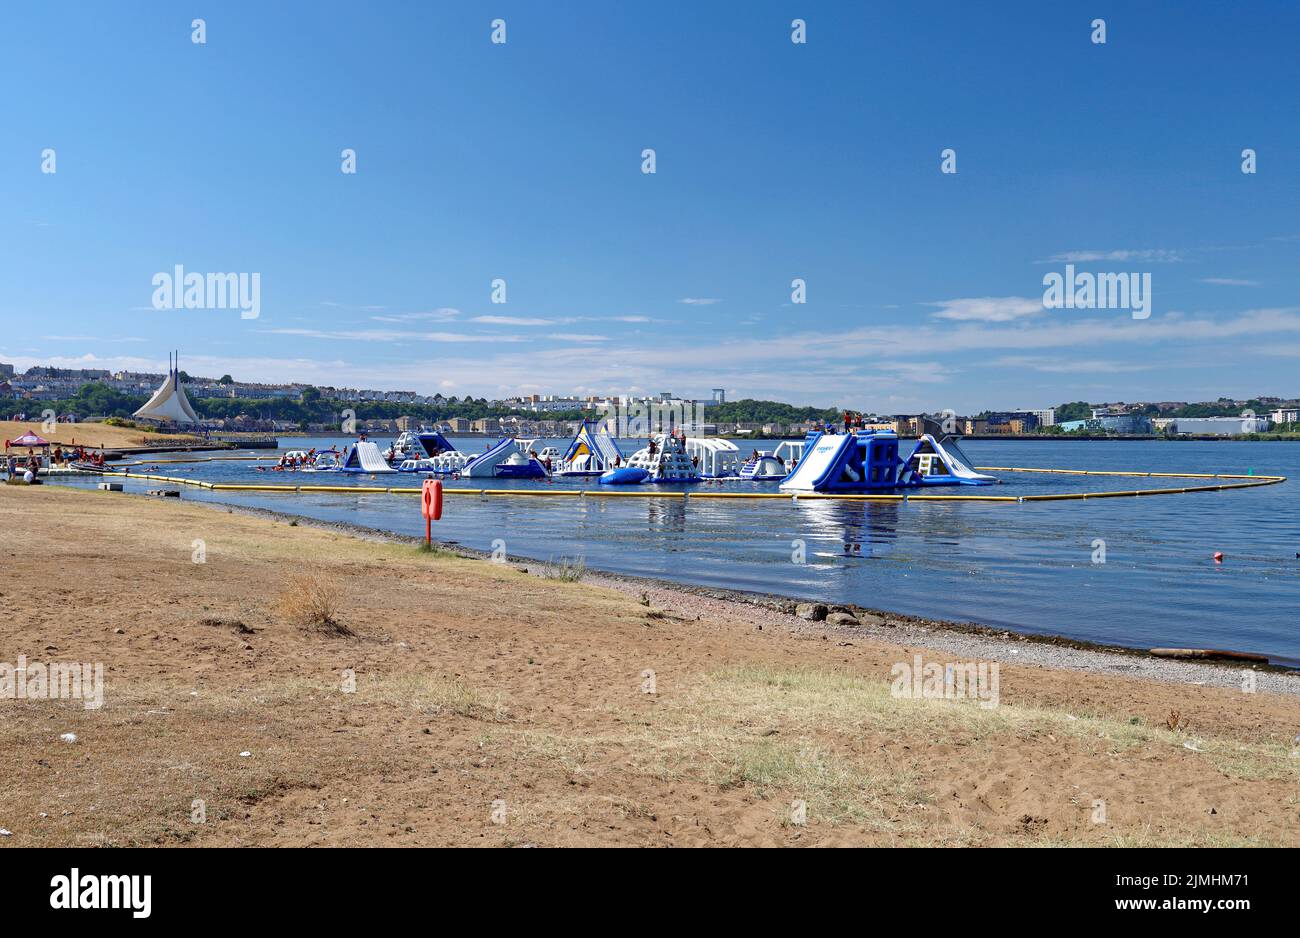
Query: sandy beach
{"type": "Point", "coordinates": [455, 701]}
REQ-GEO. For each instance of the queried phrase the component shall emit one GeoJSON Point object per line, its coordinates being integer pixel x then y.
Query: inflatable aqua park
{"type": "Point", "coordinates": [627, 475]}
{"type": "Point", "coordinates": [431, 453]}
{"type": "Point", "coordinates": [868, 460]}
{"type": "Point", "coordinates": [593, 452]}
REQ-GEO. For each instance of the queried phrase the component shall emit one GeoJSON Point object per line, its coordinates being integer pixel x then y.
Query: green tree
{"type": "Point", "coordinates": [1076, 410]}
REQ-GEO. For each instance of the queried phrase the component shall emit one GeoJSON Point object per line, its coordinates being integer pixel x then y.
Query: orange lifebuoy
{"type": "Point", "coordinates": [431, 499]}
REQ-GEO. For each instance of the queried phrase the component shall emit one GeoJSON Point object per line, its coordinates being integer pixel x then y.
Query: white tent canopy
{"type": "Point", "coordinates": [169, 402]}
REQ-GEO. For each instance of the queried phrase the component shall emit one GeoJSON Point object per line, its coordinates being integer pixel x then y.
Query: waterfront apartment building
{"type": "Point", "coordinates": [1284, 415]}
{"type": "Point", "coordinates": [1017, 422]}
{"type": "Point", "coordinates": [1046, 416]}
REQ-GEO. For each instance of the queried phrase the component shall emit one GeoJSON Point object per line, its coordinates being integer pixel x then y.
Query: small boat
{"type": "Point", "coordinates": [626, 475]}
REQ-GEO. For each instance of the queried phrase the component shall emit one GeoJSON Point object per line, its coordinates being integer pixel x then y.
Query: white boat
{"type": "Point", "coordinates": [665, 460]}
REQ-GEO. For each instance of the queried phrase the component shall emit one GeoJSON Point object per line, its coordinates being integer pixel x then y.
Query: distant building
{"type": "Point", "coordinates": [1285, 415]}
{"type": "Point", "coordinates": [1018, 421]}
{"type": "Point", "coordinates": [1220, 426]}
{"type": "Point", "coordinates": [544, 403]}
{"type": "Point", "coordinates": [1123, 424]}
{"type": "Point", "coordinates": [486, 425]}
{"type": "Point", "coordinates": [907, 425]}
{"type": "Point", "coordinates": [719, 395]}
{"type": "Point", "coordinates": [1046, 416]}
{"type": "Point", "coordinates": [6, 371]}
{"type": "Point", "coordinates": [459, 425]}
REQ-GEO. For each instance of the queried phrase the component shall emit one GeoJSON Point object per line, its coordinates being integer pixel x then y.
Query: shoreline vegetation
{"type": "Point", "coordinates": [297, 683]}
{"type": "Point", "coordinates": [124, 434]}
{"type": "Point", "coordinates": [312, 407]}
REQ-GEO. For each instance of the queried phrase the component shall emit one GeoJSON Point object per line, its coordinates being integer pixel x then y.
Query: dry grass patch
{"type": "Point", "coordinates": [788, 734]}
{"type": "Point", "coordinates": [312, 600]}
{"type": "Point", "coordinates": [566, 569]}
{"type": "Point", "coordinates": [433, 695]}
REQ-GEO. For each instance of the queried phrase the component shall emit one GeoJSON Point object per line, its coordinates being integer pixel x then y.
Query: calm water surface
{"type": "Point", "coordinates": [1028, 567]}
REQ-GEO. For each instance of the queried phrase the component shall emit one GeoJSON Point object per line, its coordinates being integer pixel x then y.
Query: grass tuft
{"type": "Point", "coordinates": [312, 600]}
{"type": "Point", "coordinates": [566, 570]}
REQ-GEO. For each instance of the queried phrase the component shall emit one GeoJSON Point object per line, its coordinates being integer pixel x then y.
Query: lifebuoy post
{"type": "Point", "coordinates": [431, 507]}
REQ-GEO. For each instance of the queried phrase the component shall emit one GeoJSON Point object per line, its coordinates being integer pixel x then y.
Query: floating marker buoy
{"type": "Point", "coordinates": [1218, 556]}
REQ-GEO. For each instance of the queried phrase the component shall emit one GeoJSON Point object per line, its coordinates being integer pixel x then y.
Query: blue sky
{"type": "Point", "coordinates": [522, 161]}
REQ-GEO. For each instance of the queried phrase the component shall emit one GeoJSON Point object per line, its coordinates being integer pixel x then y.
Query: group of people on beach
{"type": "Point", "coordinates": [17, 465]}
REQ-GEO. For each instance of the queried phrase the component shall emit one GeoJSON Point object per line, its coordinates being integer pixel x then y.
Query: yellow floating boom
{"type": "Point", "coordinates": [1238, 482]}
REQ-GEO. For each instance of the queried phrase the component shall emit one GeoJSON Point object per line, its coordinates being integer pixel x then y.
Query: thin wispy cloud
{"type": "Point", "coordinates": [441, 314]}
{"type": "Point", "coordinates": [988, 308]}
{"type": "Point", "coordinates": [514, 321]}
{"type": "Point", "coordinates": [1069, 365]}
{"type": "Point", "coordinates": [390, 335]}
{"type": "Point", "coordinates": [1230, 282]}
{"type": "Point", "coordinates": [1149, 256]}
{"type": "Point", "coordinates": [699, 301]}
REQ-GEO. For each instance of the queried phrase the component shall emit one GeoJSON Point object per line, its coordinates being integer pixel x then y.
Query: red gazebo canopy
{"type": "Point", "coordinates": [29, 439]}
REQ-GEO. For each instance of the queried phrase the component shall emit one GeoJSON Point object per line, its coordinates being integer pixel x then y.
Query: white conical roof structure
{"type": "Point", "coordinates": [169, 401]}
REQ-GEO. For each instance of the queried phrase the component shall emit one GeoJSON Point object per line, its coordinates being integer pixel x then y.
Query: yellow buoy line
{"type": "Point", "coordinates": [1230, 482]}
